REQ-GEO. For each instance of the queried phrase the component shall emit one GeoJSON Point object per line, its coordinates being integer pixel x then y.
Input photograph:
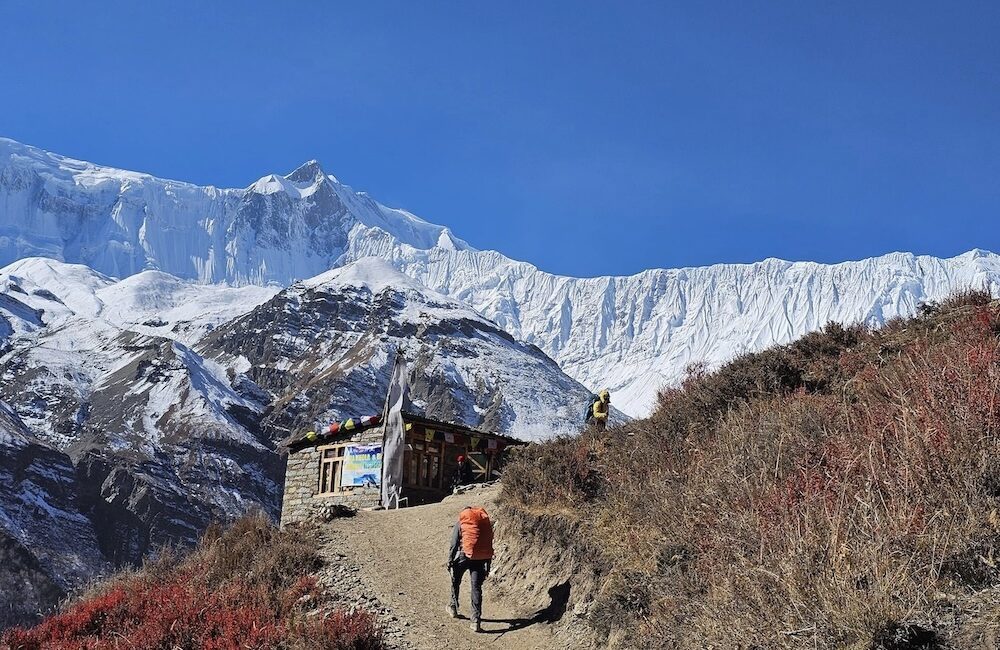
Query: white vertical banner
{"type": "Point", "coordinates": [394, 442]}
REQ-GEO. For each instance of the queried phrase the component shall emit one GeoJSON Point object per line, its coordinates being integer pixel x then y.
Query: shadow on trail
{"type": "Point", "coordinates": [558, 597]}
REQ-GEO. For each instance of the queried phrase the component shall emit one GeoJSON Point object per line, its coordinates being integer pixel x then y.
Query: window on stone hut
{"type": "Point", "coordinates": [330, 465]}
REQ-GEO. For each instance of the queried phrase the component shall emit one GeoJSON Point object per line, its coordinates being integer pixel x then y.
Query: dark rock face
{"type": "Point", "coordinates": [47, 544]}
{"type": "Point", "coordinates": [162, 473]}
{"type": "Point", "coordinates": [323, 351]}
{"type": "Point", "coordinates": [277, 221]}
{"type": "Point", "coordinates": [28, 590]}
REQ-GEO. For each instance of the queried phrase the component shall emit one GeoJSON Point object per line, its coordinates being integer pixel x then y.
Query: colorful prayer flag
{"type": "Point", "coordinates": [449, 438]}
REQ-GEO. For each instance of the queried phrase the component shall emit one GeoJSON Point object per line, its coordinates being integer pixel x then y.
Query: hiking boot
{"type": "Point", "coordinates": [476, 627]}
{"type": "Point", "coordinates": [452, 611]}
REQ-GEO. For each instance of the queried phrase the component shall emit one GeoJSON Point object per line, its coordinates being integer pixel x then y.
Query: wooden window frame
{"type": "Point", "coordinates": [330, 469]}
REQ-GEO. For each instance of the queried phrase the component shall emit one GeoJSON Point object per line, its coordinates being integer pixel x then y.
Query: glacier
{"type": "Point", "coordinates": [631, 334]}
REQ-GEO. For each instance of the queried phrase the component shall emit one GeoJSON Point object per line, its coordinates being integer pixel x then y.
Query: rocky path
{"type": "Point", "coordinates": [396, 560]}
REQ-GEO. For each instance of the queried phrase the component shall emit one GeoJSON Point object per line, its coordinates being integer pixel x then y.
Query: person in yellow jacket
{"type": "Point", "coordinates": [600, 409]}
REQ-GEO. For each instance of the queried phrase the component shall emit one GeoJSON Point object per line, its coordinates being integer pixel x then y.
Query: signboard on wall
{"type": "Point", "coordinates": [362, 466]}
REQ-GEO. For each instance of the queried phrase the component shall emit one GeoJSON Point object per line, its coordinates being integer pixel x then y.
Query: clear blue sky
{"type": "Point", "coordinates": [587, 138]}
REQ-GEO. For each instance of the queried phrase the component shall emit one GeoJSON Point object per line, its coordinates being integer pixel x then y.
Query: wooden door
{"type": "Point", "coordinates": [480, 463]}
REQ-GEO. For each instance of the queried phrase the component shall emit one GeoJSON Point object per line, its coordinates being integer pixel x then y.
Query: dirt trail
{"type": "Point", "coordinates": [400, 555]}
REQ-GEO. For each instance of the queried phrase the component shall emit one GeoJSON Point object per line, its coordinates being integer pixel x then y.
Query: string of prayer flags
{"type": "Point", "coordinates": [351, 424]}
{"type": "Point", "coordinates": [479, 443]}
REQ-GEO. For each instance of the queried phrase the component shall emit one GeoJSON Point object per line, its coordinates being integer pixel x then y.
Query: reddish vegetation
{"type": "Point", "coordinates": [245, 588]}
{"type": "Point", "coordinates": [841, 491]}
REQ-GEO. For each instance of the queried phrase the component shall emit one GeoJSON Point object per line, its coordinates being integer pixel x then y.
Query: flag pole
{"type": "Point", "coordinates": [385, 418]}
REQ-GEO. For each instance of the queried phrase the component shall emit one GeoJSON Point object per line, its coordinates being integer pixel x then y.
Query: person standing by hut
{"type": "Point", "coordinates": [463, 473]}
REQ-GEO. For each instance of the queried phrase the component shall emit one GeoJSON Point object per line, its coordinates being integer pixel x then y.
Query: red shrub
{"type": "Point", "coordinates": [343, 631]}
{"type": "Point", "coordinates": [192, 607]}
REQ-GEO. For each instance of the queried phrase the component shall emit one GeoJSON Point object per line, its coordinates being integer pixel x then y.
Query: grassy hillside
{"type": "Point", "coordinates": [250, 586]}
{"type": "Point", "coordinates": [841, 491]}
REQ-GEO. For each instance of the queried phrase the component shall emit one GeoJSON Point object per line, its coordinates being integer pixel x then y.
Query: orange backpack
{"type": "Point", "coordinates": [477, 534]}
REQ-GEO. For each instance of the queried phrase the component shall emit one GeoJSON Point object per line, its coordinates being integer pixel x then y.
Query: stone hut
{"type": "Point", "coordinates": [343, 466]}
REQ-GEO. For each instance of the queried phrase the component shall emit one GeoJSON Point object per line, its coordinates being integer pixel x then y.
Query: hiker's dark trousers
{"type": "Point", "coordinates": [477, 574]}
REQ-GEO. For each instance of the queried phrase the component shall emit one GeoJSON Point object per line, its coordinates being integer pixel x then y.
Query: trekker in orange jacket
{"type": "Point", "coordinates": [471, 550]}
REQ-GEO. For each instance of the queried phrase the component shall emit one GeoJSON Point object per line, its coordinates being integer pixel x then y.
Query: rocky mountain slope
{"type": "Point", "coordinates": [47, 543]}
{"type": "Point", "coordinates": [632, 334]}
{"type": "Point", "coordinates": [159, 442]}
{"type": "Point", "coordinates": [322, 349]}
{"type": "Point", "coordinates": [142, 409]}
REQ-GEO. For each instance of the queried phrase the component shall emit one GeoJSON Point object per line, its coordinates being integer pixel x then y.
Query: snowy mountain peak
{"type": "Point", "coordinates": [270, 184]}
{"type": "Point", "coordinates": [301, 183]}
{"type": "Point", "coordinates": [277, 230]}
{"type": "Point", "coordinates": [152, 302]}
{"type": "Point", "coordinates": [376, 276]}
{"type": "Point", "coordinates": [447, 241]}
{"type": "Point", "coordinates": [308, 172]}
{"type": "Point", "coordinates": [372, 273]}
{"type": "Point", "coordinates": [51, 286]}
{"type": "Point", "coordinates": [326, 345]}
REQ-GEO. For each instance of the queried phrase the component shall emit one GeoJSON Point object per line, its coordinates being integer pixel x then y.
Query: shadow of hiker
{"type": "Point", "coordinates": [558, 598]}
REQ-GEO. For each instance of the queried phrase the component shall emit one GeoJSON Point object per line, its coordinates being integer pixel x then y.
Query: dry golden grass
{"type": "Point", "coordinates": [841, 491]}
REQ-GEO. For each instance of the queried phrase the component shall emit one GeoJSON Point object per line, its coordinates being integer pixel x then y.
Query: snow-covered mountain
{"type": "Point", "coordinates": [322, 349]}
{"type": "Point", "coordinates": [134, 412]}
{"type": "Point", "coordinates": [631, 334]}
{"type": "Point", "coordinates": [637, 334]}
{"type": "Point", "coordinates": [157, 340]}
{"type": "Point", "coordinates": [279, 229]}
{"type": "Point", "coordinates": [161, 442]}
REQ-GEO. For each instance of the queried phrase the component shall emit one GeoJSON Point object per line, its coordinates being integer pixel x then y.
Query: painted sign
{"type": "Point", "coordinates": [362, 465]}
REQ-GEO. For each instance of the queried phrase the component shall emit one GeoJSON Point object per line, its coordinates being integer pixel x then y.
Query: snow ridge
{"type": "Point", "coordinates": [638, 334]}
{"type": "Point", "coordinates": [277, 230]}
{"type": "Point", "coordinates": [631, 334]}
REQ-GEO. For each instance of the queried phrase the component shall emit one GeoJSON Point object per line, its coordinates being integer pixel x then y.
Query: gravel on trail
{"type": "Point", "coordinates": [392, 564]}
